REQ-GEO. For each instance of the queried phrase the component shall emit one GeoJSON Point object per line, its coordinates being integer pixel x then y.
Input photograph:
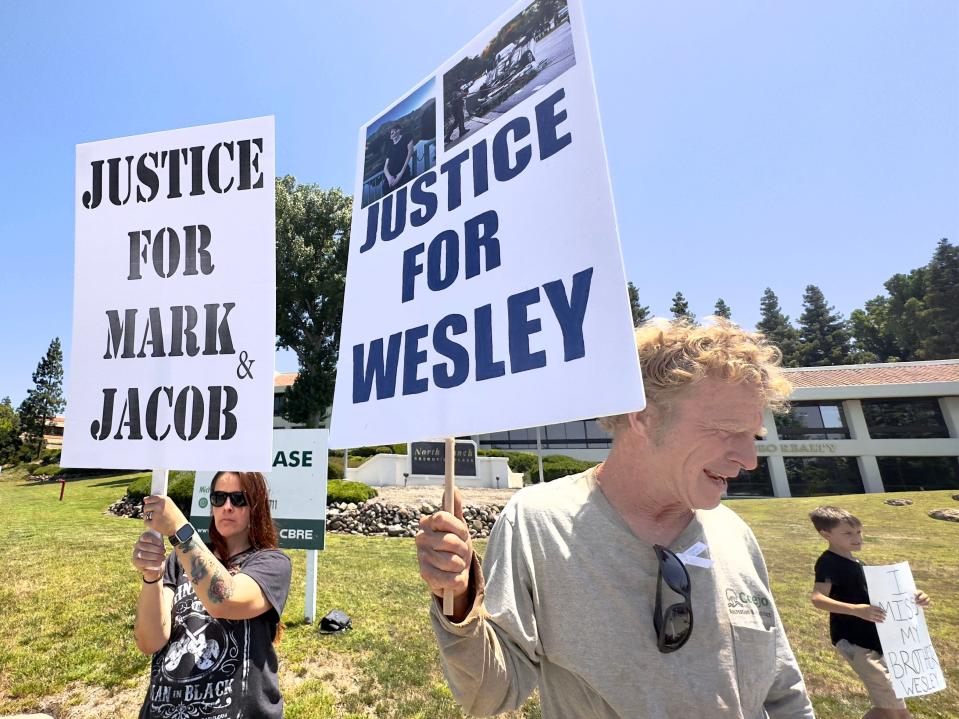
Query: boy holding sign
{"type": "Point", "coordinates": [840, 589]}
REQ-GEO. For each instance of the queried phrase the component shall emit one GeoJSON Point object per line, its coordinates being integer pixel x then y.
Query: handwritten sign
{"type": "Point", "coordinates": [910, 656]}
{"type": "Point", "coordinates": [174, 303]}
{"type": "Point", "coordinates": [485, 287]}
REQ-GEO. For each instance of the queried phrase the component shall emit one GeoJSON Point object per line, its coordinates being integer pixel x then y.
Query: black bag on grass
{"type": "Point", "coordinates": [335, 621]}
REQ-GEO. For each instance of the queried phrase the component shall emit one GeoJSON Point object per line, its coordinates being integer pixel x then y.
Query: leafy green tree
{"type": "Point", "coordinates": [873, 338]}
{"type": "Point", "coordinates": [312, 245]}
{"type": "Point", "coordinates": [941, 299]}
{"type": "Point", "coordinates": [640, 312]}
{"type": "Point", "coordinates": [776, 327]}
{"type": "Point", "coordinates": [823, 334]}
{"type": "Point", "coordinates": [722, 309]}
{"type": "Point", "coordinates": [45, 399]}
{"type": "Point", "coordinates": [680, 308]}
{"type": "Point", "coordinates": [905, 313]}
{"type": "Point", "coordinates": [9, 431]}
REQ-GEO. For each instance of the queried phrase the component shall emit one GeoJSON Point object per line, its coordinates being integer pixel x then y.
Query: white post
{"type": "Point", "coordinates": [309, 602]}
{"type": "Point", "coordinates": [346, 463]}
{"type": "Point", "coordinates": [539, 454]}
{"type": "Point", "coordinates": [159, 486]}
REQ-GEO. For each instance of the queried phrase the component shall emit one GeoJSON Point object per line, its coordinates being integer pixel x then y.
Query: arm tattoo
{"type": "Point", "coordinates": [198, 568]}
{"type": "Point", "coordinates": [221, 588]}
{"type": "Point", "coordinates": [190, 544]}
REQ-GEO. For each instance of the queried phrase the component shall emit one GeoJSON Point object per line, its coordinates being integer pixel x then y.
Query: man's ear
{"type": "Point", "coordinates": [641, 423]}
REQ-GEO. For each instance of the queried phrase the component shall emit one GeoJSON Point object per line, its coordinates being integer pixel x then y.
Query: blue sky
{"type": "Point", "coordinates": [750, 144]}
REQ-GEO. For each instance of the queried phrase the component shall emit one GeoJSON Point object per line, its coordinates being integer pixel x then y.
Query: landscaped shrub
{"type": "Point", "coordinates": [559, 465]}
{"type": "Point", "coordinates": [400, 448]}
{"type": "Point", "coordinates": [383, 449]}
{"type": "Point", "coordinates": [334, 468]}
{"type": "Point", "coordinates": [342, 490]}
{"type": "Point", "coordinates": [524, 462]}
{"type": "Point", "coordinates": [45, 470]}
{"type": "Point", "coordinates": [369, 451]}
{"type": "Point", "coordinates": [50, 456]}
{"type": "Point", "coordinates": [179, 489]}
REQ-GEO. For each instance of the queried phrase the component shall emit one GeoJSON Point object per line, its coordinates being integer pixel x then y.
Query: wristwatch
{"type": "Point", "coordinates": [182, 534]}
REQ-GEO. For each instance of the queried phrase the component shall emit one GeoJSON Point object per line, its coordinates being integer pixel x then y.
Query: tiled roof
{"type": "Point", "coordinates": [284, 379]}
{"type": "Point", "coordinates": [891, 373]}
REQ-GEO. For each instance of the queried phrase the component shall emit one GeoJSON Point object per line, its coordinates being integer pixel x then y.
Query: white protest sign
{"type": "Point", "coordinates": [908, 651]}
{"type": "Point", "coordinates": [174, 301]}
{"type": "Point", "coordinates": [297, 486]}
{"type": "Point", "coordinates": [485, 287]}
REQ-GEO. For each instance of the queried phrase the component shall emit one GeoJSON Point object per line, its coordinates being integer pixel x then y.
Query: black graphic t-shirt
{"type": "Point", "coordinates": [220, 668]}
{"type": "Point", "coordinates": [849, 586]}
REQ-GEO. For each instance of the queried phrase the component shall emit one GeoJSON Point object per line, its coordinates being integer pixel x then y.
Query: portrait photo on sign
{"type": "Point", "coordinates": [400, 144]}
{"type": "Point", "coordinates": [503, 69]}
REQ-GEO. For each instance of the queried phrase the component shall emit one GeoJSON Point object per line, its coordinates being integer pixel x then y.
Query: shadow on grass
{"type": "Point", "coordinates": [122, 482]}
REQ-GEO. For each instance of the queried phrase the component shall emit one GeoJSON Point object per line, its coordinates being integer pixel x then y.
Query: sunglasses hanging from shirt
{"type": "Point", "coordinates": [674, 625]}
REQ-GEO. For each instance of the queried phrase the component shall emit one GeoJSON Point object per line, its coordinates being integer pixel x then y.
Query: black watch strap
{"type": "Point", "coordinates": [182, 534]}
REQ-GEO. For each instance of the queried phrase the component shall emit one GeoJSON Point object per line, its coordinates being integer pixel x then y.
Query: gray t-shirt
{"type": "Point", "coordinates": [220, 668]}
{"type": "Point", "coordinates": [568, 606]}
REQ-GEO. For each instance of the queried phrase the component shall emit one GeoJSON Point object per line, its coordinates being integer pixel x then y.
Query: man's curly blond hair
{"type": "Point", "coordinates": [675, 354]}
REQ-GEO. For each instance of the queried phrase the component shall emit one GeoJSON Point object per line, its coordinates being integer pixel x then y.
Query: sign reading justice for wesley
{"type": "Point", "coordinates": [174, 302]}
{"type": "Point", "coordinates": [485, 287]}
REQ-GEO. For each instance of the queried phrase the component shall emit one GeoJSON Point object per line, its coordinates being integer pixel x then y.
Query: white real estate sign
{"type": "Point", "coordinates": [171, 364]}
{"type": "Point", "coordinates": [297, 484]}
{"type": "Point", "coordinates": [907, 648]}
{"type": "Point", "coordinates": [485, 288]}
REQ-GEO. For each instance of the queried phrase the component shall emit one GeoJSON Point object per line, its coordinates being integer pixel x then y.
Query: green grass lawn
{"type": "Point", "coordinates": [67, 596]}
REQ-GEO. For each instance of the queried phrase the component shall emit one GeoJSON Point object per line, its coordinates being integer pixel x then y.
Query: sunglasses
{"type": "Point", "coordinates": [673, 625]}
{"type": "Point", "coordinates": [218, 498]}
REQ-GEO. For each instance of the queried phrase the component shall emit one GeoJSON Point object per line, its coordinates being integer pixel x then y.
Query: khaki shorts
{"type": "Point", "coordinates": [871, 668]}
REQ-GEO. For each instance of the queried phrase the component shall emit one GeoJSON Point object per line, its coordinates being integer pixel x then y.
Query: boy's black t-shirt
{"type": "Point", "coordinates": [849, 586]}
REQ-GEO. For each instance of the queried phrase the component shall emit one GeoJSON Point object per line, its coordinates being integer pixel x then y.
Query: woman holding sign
{"type": "Point", "coordinates": [211, 616]}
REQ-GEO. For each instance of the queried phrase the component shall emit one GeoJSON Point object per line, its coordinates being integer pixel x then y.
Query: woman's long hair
{"type": "Point", "coordinates": [262, 529]}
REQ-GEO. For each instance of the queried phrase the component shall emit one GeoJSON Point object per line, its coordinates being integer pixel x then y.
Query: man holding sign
{"type": "Point", "coordinates": [841, 590]}
{"type": "Point", "coordinates": [627, 590]}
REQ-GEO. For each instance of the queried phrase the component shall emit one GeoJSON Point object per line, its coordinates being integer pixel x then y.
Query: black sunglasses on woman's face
{"type": "Point", "coordinates": [674, 625]}
{"type": "Point", "coordinates": [218, 498]}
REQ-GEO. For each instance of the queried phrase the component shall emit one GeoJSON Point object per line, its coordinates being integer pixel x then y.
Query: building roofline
{"type": "Point", "coordinates": [871, 365]}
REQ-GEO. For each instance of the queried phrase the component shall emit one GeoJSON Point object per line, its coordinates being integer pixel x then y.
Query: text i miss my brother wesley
{"type": "Point", "coordinates": [180, 330]}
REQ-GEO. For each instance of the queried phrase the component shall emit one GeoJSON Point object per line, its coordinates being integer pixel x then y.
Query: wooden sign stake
{"type": "Point", "coordinates": [448, 506]}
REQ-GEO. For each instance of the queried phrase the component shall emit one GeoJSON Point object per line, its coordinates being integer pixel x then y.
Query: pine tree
{"type": "Point", "coordinates": [777, 328]}
{"type": "Point", "coordinates": [823, 334]}
{"type": "Point", "coordinates": [640, 312]}
{"type": "Point", "coordinates": [45, 400]}
{"type": "Point", "coordinates": [722, 309]}
{"type": "Point", "coordinates": [941, 299]}
{"type": "Point", "coordinates": [680, 308]}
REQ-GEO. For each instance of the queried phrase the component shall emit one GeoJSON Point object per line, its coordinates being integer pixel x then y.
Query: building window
{"type": "Point", "coordinates": [817, 476]}
{"type": "Point", "coordinates": [916, 418]}
{"type": "Point", "coordinates": [813, 420]}
{"type": "Point", "coordinates": [752, 483]}
{"type": "Point", "coordinates": [582, 434]}
{"type": "Point", "coordinates": [279, 403]}
{"type": "Point", "coordinates": [904, 474]}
